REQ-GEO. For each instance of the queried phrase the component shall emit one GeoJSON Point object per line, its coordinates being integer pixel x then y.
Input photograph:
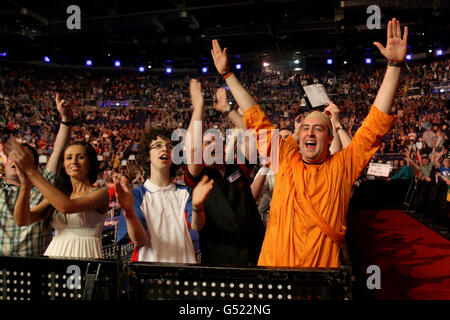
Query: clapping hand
{"type": "Point", "coordinates": [123, 195]}
{"type": "Point", "coordinates": [22, 157]}
{"type": "Point", "coordinates": [195, 89]}
{"type": "Point", "coordinates": [202, 191]}
{"type": "Point", "coordinates": [221, 104]}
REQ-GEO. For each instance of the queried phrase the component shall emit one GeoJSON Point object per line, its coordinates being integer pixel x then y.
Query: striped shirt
{"type": "Point", "coordinates": [29, 240]}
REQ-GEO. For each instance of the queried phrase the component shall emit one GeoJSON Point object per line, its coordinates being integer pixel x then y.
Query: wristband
{"type": "Point", "coordinates": [68, 123]}
{"type": "Point", "coordinates": [227, 74]}
{"type": "Point", "coordinates": [396, 64]}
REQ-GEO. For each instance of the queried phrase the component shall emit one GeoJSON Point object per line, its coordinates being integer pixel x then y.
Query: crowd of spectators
{"type": "Point", "coordinates": [114, 108]}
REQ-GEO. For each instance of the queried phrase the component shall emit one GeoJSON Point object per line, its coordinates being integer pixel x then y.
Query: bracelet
{"type": "Point", "coordinates": [396, 64]}
{"type": "Point", "coordinates": [226, 113]}
{"type": "Point", "coordinates": [227, 74]}
{"type": "Point", "coordinates": [68, 123]}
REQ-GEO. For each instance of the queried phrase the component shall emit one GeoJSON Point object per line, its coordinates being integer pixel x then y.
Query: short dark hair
{"type": "Point", "coordinates": [143, 152]}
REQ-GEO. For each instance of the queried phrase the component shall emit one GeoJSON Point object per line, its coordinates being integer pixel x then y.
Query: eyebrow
{"type": "Point", "coordinates": [314, 125]}
{"type": "Point", "coordinates": [76, 154]}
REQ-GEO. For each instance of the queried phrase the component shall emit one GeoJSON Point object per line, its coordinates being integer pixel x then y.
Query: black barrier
{"type": "Point", "coordinates": [153, 281]}
{"type": "Point", "coordinates": [37, 279]}
{"type": "Point", "coordinates": [381, 194]}
{"type": "Point", "coordinates": [41, 279]}
{"type": "Point", "coordinates": [427, 201]}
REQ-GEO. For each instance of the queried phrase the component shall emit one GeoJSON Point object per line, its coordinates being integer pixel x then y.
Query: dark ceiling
{"type": "Point", "coordinates": [179, 33]}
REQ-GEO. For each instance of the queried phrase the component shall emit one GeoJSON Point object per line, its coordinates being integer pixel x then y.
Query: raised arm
{"type": "Point", "coordinates": [23, 214]}
{"type": "Point", "coordinates": [394, 52]}
{"type": "Point", "coordinates": [63, 136]}
{"type": "Point", "coordinates": [194, 145]}
{"type": "Point", "coordinates": [258, 183]}
{"type": "Point", "coordinates": [223, 107]}
{"type": "Point", "coordinates": [413, 163]}
{"type": "Point", "coordinates": [136, 231]}
{"type": "Point", "coordinates": [97, 200]}
{"type": "Point", "coordinates": [343, 137]}
{"type": "Point", "coordinates": [240, 94]}
{"type": "Point", "coordinates": [199, 196]}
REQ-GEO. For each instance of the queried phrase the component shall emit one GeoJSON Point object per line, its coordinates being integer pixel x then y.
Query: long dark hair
{"type": "Point", "coordinates": [62, 180]}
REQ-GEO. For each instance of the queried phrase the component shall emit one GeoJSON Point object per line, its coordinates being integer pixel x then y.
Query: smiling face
{"type": "Point", "coordinates": [76, 162]}
{"type": "Point", "coordinates": [315, 138]}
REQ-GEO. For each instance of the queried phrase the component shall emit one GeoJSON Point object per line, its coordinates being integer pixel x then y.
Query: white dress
{"type": "Point", "coordinates": [77, 235]}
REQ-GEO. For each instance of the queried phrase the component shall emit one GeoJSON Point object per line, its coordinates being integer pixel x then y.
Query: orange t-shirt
{"type": "Point", "coordinates": [307, 220]}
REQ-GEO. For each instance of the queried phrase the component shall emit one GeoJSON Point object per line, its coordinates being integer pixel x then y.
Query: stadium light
{"type": "Point", "coordinates": [47, 59]}
{"type": "Point", "coordinates": [266, 64]}
{"type": "Point", "coordinates": [238, 66]}
{"type": "Point", "coordinates": [149, 66]}
{"type": "Point", "coordinates": [329, 61]}
{"type": "Point", "coordinates": [117, 63]}
{"type": "Point", "coordinates": [297, 61]}
{"type": "Point", "coordinates": [141, 69]}
{"type": "Point", "coordinates": [168, 70]}
{"type": "Point", "coordinates": [89, 62]}
{"type": "Point", "coordinates": [297, 69]}
{"type": "Point", "coordinates": [3, 54]}
{"type": "Point", "coordinates": [345, 62]}
{"type": "Point", "coordinates": [368, 61]}
{"type": "Point", "coordinates": [205, 69]}
{"type": "Point", "coordinates": [439, 52]}
{"type": "Point", "coordinates": [408, 57]}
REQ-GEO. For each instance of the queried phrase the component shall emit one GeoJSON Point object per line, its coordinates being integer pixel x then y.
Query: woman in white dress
{"type": "Point", "coordinates": [78, 209]}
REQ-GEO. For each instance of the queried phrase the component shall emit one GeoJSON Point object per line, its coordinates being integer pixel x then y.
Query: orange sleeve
{"type": "Point", "coordinates": [269, 143]}
{"type": "Point", "coordinates": [366, 142]}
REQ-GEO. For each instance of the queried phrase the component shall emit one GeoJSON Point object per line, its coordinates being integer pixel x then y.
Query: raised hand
{"type": "Point", "coordinates": [220, 57]}
{"type": "Point", "coordinates": [22, 157]}
{"type": "Point", "coordinates": [333, 112]}
{"type": "Point", "coordinates": [24, 181]}
{"type": "Point", "coordinates": [195, 89]}
{"type": "Point", "coordinates": [201, 191]}
{"type": "Point", "coordinates": [63, 108]}
{"type": "Point", "coordinates": [123, 195]}
{"type": "Point", "coordinates": [395, 50]}
{"type": "Point", "coordinates": [221, 104]}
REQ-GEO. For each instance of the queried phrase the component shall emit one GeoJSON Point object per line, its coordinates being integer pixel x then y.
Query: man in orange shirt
{"type": "Point", "coordinates": [307, 220]}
